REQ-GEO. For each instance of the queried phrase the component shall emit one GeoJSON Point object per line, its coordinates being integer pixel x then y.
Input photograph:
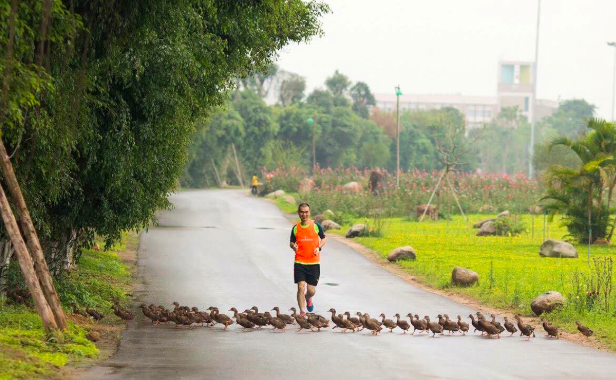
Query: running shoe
{"type": "Point", "coordinates": [309, 305]}
{"type": "Point", "coordinates": [302, 314]}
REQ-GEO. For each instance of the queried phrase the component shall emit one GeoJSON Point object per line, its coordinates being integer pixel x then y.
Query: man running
{"type": "Point", "coordinates": [307, 239]}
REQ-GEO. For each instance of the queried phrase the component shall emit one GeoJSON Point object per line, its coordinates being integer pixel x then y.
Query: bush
{"type": "Point", "coordinates": [509, 227]}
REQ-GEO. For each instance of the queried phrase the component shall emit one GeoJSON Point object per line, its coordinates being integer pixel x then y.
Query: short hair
{"type": "Point", "coordinates": [304, 204]}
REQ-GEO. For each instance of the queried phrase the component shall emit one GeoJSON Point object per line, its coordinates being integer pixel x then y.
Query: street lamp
{"type": "Point", "coordinates": [613, 44]}
{"type": "Point", "coordinates": [314, 152]}
{"type": "Point", "coordinates": [398, 93]}
{"type": "Point", "coordinates": [531, 150]}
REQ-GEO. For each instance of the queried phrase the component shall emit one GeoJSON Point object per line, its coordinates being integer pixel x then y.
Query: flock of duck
{"type": "Point", "coordinates": [253, 319]}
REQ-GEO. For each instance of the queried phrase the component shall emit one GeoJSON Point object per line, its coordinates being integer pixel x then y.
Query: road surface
{"type": "Point", "coordinates": [222, 248]}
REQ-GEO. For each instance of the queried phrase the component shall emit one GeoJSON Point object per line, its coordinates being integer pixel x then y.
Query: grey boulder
{"type": "Point", "coordinates": [276, 194]}
{"type": "Point", "coordinates": [547, 302]}
{"type": "Point", "coordinates": [356, 230]}
{"type": "Point", "coordinates": [464, 277]}
{"type": "Point", "coordinates": [487, 229]}
{"type": "Point", "coordinates": [402, 253]}
{"type": "Point", "coordinates": [330, 225]}
{"type": "Point", "coordinates": [557, 248]}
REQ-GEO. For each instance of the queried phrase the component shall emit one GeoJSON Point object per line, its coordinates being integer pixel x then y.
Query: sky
{"type": "Point", "coordinates": [453, 46]}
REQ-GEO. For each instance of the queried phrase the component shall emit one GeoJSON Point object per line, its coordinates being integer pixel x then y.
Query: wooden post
{"type": "Point", "coordinates": [237, 165]}
{"type": "Point", "coordinates": [26, 264]}
{"type": "Point", "coordinates": [34, 246]}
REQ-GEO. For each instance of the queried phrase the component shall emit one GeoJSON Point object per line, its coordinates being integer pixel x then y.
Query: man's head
{"type": "Point", "coordinates": [303, 210]}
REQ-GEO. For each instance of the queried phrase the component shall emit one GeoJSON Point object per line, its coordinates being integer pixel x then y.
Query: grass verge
{"type": "Point", "coordinates": [27, 352]}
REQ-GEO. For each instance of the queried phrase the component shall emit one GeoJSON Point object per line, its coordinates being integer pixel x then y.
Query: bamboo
{"type": "Point", "coordinates": [237, 165]}
{"type": "Point", "coordinates": [216, 172]}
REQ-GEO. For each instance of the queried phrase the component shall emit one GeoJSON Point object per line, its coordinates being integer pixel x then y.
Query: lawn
{"type": "Point", "coordinates": [510, 269]}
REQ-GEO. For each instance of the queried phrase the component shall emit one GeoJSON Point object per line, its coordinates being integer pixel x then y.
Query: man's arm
{"type": "Point", "coordinates": [321, 235]}
{"type": "Point", "coordinates": [293, 242]}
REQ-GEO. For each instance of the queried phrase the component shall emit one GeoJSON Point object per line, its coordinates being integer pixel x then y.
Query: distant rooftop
{"type": "Point", "coordinates": [438, 98]}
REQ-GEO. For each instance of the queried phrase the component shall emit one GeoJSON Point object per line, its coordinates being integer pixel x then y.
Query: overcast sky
{"type": "Point", "coordinates": [453, 46]}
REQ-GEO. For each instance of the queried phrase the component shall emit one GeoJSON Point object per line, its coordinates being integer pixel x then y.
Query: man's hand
{"type": "Point", "coordinates": [317, 251]}
{"type": "Point", "coordinates": [294, 247]}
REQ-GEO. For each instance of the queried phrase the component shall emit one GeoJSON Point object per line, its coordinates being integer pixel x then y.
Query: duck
{"type": "Point", "coordinates": [220, 318]}
{"type": "Point", "coordinates": [286, 318]}
{"type": "Point", "coordinates": [362, 320]}
{"type": "Point", "coordinates": [372, 324]}
{"type": "Point", "coordinates": [94, 314]}
{"type": "Point", "coordinates": [549, 328]}
{"type": "Point", "coordinates": [277, 323]}
{"type": "Point", "coordinates": [488, 327]}
{"type": "Point", "coordinates": [496, 324]}
{"type": "Point", "coordinates": [510, 327]}
{"type": "Point", "coordinates": [181, 319]}
{"type": "Point", "coordinates": [205, 317]}
{"type": "Point", "coordinates": [451, 326]}
{"type": "Point", "coordinates": [77, 311]}
{"type": "Point", "coordinates": [241, 320]}
{"type": "Point", "coordinates": [346, 324]}
{"type": "Point", "coordinates": [418, 324]}
{"type": "Point", "coordinates": [526, 330]}
{"type": "Point", "coordinates": [404, 325]}
{"type": "Point", "coordinates": [584, 330]}
{"type": "Point", "coordinates": [336, 319]}
{"type": "Point", "coordinates": [435, 327]}
{"type": "Point", "coordinates": [463, 326]}
{"type": "Point", "coordinates": [324, 321]}
{"type": "Point", "coordinates": [315, 321]}
{"type": "Point", "coordinates": [353, 320]}
{"type": "Point", "coordinates": [476, 324]}
{"type": "Point", "coordinates": [125, 315]}
{"type": "Point", "coordinates": [302, 323]}
{"type": "Point", "coordinates": [388, 323]}
{"type": "Point", "coordinates": [148, 313]}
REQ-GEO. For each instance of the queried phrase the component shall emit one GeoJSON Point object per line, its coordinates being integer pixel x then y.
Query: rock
{"type": "Point", "coordinates": [535, 210]}
{"type": "Point", "coordinates": [557, 248]}
{"type": "Point", "coordinates": [547, 302]}
{"type": "Point", "coordinates": [356, 230]}
{"type": "Point", "coordinates": [352, 187]}
{"type": "Point", "coordinates": [276, 194]}
{"type": "Point", "coordinates": [93, 336]}
{"type": "Point", "coordinates": [504, 214]}
{"type": "Point", "coordinates": [305, 185]}
{"type": "Point", "coordinates": [432, 212]}
{"type": "Point", "coordinates": [330, 225]}
{"type": "Point", "coordinates": [289, 199]}
{"type": "Point", "coordinates": [402, 253]}
{"type": "Point", "coordinates": [463, 277]}
{"type": "Point", "coordinates": [479, 224]}
{"type": "Point", "coordinates": [601, 241]}
{"type": "Point", "coordinates": [487, 229]}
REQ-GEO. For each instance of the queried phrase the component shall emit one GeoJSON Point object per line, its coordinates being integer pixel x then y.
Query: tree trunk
{"type": "Point", "coordinates": [26, 264]}
{"type": "Point", "coordinates": [32, 239]}
{"type": "Point", "coordinates": [5, 259]}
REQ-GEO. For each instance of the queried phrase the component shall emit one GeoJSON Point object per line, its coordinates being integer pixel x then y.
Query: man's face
{"type": "Point", "coordinates": [304, 213]}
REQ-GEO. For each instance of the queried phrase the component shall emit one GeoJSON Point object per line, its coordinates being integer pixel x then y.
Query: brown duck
{"type": "Point", "coordinates": [372, 324]}
{"type": "Point", "coordinates": [510, 327]}
{"type": "Point", "coordinates": [476, 324]}
{"type": "Point", "coordinates": [94, 314]}
{"type": "Point", "coordinates": [463, 326]}
{"type": "Point", "coordinates": [488, 327]}
{"type": "Point", "coordinates": [125, 315]}
{"type": "Point", "coordinates": [388, 323]}
{"type": "Point", "coordinates": [435, 327]}
{"type": "Point", "coordinates": [450, 325]}
{"type": "Point", "coordinates": [242, 320]}
{"type": "Point", "coordinates": [77, 311]}
{"type": "Point", "coordinates": [549, 328]}
{"type": "Point", "coordinates": [583, 329]}
{"type": "Point", "coordinates": [362, 320]}
{"type": "Point", "coordinates": [404, 325]}
{"type": "Point", "coordinates": [496, 324]}
{"type": "Point", "coordinates": [346, 324]}
{"type": "Point", "coordinates": [418, 324]}
{"type": "Point", "coordinates": [315, 321]}
{"type": "Point", "coordinates": [354, 320]}
{"type": "Point", "coordinates": [526, 330]}
{"type": "Point", "coordinates": [220, 318]}
{"type": "Point", "coordinates": [277, 323]}
{"type": "Point", "coordinates": [286, 318]}
{"type": "Point", "coordinates": [336, 319]}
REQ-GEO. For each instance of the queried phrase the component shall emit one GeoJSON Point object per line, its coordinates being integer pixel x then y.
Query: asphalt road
{"type": "Point", "coordinates": [225, 249]}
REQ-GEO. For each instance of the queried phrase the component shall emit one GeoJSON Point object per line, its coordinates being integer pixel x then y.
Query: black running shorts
{"type": "Point", "coordinates": [308, 273]}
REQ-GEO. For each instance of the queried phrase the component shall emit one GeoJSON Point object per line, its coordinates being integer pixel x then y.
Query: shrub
{"type": "Point", "coordinates": [509, 227]}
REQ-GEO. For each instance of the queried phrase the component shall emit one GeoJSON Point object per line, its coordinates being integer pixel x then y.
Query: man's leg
{"type": "Point", "coordinates": [311, 291]}
{"type": "Point", "coordinates": [301, 296]}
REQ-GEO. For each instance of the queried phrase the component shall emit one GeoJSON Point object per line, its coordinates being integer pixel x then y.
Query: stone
{"type": "Point", "coordinates": [352, 187]}
{"type": "Point", "coordinates": [356, 230]}
{"type": "Point", "coordinates": [463, 277]}
{"type": "Point", "coordinates": [487, 229]}
{"type": "Point", "coordinates": [402, 253]}
{"type": "Point", "coordinates": [601, 241]}
{"type": "Point", "coordinates": [431, 212]}
{"type": "Point", "coordinates": [557, 248]}
{"type": "Point", "coordinates": [276, 194]}
{"type": "Point", "coordinates": [547, 302]}
{"type": "Point", "coordinates": [305, 185]}
{"type": "Point", "coordinates": [289, 199]}
{"type": "Point", "coordinates": [481, 223]}
{"type": "Point", "coordinates": [535, 210]}
{"type": "Point", "coordinates": [330, 225]}
{"type": "Point", "coordinates": [504, 214]}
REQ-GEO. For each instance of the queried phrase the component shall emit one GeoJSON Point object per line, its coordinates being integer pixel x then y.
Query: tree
{"type": "Point", "coordinates": [292, 89]}
{"type": "Point", "coordinates": [570, 119]}
{"type": "Point", "coordinates": [362, 98]}
{"type": "Point", "coordinates": [338, 83]}
{"type": "Point", "coordinates": [261, 81]}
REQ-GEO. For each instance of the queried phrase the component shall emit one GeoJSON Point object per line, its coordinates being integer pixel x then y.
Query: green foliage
{"type": "Point", "coordinates": [509, 226]}
{"type": "Point", "coordinates": [292, 89]}
{"type": "Point", "coordinates": [570, 119]}
{"type": "Point", "coordinates": [338, 84]}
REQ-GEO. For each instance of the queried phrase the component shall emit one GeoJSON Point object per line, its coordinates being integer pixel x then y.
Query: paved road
{"type": "Point", "coordinates": [223, 248]}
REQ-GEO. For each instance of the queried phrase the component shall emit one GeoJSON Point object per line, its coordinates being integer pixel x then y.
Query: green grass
{"type": "Point", "coordinates": [27, 352]}
{"type": "Point", "coordinates": [510, 269]}
{"type": "Point", "coordinates": [289, 208]}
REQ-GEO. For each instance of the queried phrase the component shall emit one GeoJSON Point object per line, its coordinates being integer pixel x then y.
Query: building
{"type": "Point", "coordinates": [514, 88]}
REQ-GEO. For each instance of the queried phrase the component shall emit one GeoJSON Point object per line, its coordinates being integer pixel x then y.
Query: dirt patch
{"type": "Point", "coordinates": [464, 300]}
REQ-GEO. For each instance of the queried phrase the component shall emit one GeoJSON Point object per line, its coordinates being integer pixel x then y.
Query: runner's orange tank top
{"type": "Point", "coordinates": [307, 240]}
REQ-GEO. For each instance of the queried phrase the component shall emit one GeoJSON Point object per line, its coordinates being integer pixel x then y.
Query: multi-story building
{"type": "Point", "coordinates": [514, 88]}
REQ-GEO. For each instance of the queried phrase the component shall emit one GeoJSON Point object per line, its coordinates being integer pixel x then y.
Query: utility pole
{"type": "Point", "coordinates": [314, 142]}
{"type": "Point", "coordinates": [613, 44]}
{"type": "Point", "coordinates": [398, 93]}
{"type": "Point", "coordinates": [531, 149]}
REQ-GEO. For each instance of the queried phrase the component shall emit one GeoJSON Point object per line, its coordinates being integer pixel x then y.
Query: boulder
{"type": "Point", "coordinates": [276, 194]}
{"type": "Point", "coordinates": [504, 214]}
{"type": "Point", "coordinates": [289, 199]}
{"type": "Point", "coordinates": [535, 210]}
{"type": "Point", "coordinates": [330, 225]}
{"type": "Point", "coordinates": [305, 185]}
{"type": "Point", "coordinates": [352, 187]}
{"type": "Point", "coordinates": [547, 302]}
{"type": "Point", "coordinates": [402, 253]}
{"type": "Point", "coordinates": [557, 248]}
{"type": "Point", "coordinates": [431, 212]}
{"type": "Point", "coordinates": [487, 229]}
{"type": "Point", "coordinates": [481, 223]}
{"type": "Point", "coordinates": [356, 230]}
{"type": "Point", "coordinates": [601, 241]}
{"type": "Point", "coordinates": [464, 277]}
